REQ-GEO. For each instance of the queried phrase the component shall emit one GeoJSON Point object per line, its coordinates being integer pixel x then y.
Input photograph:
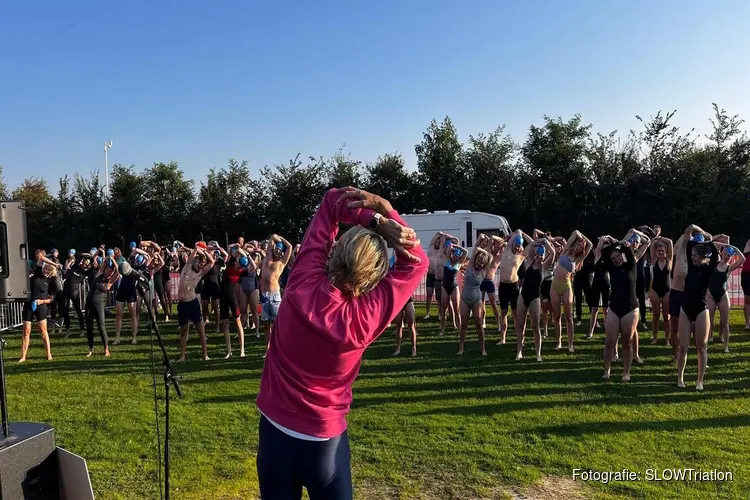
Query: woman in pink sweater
{"type": "Point", "coordinates": [337, 301]}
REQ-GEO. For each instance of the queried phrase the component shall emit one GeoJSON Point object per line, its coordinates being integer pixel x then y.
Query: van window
{"type": "Point", "coordinates": [469, 234]}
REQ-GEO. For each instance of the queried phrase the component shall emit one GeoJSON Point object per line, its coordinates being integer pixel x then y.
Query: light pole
{"type": "Point", "coordinates": [107, 145]}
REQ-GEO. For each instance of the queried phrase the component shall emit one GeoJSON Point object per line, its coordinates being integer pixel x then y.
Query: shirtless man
{"type": "Point", "coordinates": [510, 261]}
{"type": "Point", "coordinates": [437, 264]}
{"type": "Point", "coordinates": [494, 246]}
{"type": "Point", "coordinates": [189, 306]}
{"type": "Point", "coordinates": [278, 253]}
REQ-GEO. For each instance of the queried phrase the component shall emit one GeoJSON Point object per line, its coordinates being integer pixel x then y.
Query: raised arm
{"type": "Point", "coordinates": [322, 231]}
{"type": "Point", "coordinates": [740, 258]}
{"type": "Point", "coordinates": [549, 256]}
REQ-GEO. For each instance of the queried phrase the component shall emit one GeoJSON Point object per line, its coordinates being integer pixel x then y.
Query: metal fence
{"type": "Point", "coordinates": [10, 314]}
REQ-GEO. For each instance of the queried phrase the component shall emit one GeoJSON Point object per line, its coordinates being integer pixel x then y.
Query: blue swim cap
{"type": "Point", "coordinates": [635, 239]}
{"type": "Point", "coordinates": [110, 252]}
{"type": "Point", "coordinates": [730, 251]}
{"type": "Point", "coordinates": [540, 250]}
{"type": "Point", "coordinates": [698, 238]}
{"type": "Point", "coordinates": [139, 259]}
{"type": "Point", "coordinates": [243, 261]}
{"type": "Point", "coordinates": [518, 241]}
{"type": "Point", "coordinates": [92, 251]}
{"type": "Point", "coordinates": [173, 249]}
{"type": "Point", "coordinates": [448, 243]}
{"type": "Point", "coordinates": [456, 252]}
{"type": "Point", "coordinates": [72, 251]}
{"type": "Point", "coordinates": [99, 259]}
{"type": "Point", "coordinates": [280, 245]}
{"type": "Point", "coordinates": [132, 245]}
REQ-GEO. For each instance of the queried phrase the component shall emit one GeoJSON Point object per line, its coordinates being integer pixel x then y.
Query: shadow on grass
{"type": "Point", "coordinates": [575, 430]}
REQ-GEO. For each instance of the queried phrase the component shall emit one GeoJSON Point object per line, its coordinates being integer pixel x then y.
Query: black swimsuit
{"type": "Point", "coordinates": [697, 281]}
{"type": "Point", "coordinates": [660, 280]}
{"type": "Point", "coordinates": [449, 279]}
{"type": "Point", "coordinates": [532, 285]}
{"type": "Point", "coordinates": [718, 286]}
{"type": "Point", "coordinates": [623, 279]}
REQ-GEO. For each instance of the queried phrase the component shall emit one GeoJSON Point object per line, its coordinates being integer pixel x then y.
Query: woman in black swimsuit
{"type": "Point", "coordinates": [702, 257]}
{"type": "Point", "coordinates": [539, 258]}
{"type": "Point", "coordinates": [36, 308]}
{"type": "Point", "coordinates": [622, 317]}
{"type": "Point", "coordinates": [662, 252]}
{"type": "Point", "coordinates": [599, 292]}
{"type": "Point", "coordinates": [731, 259]}
{"type": "Point", "coordinates": [455, 256]}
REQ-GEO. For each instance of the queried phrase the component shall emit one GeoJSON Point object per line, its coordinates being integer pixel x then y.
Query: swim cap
{"type": "Point", "coordinates": [92, 251]}
{"type": "Point", "coordinates": [217, 253]}
{"type": "Point", "coordinates": [132, 245]}
{"type": "Point", "coordinates": [173, 249]}
{"type": "Point", "coordinates": [730, 251]}
{"type": "Point", "coordinates": [448, 243]}
{"type": "Point", "coordinates": [72, 251]}
{"type": "Point", "coordinates": [53, 250]}
{"type": "Point", "coordinates": [139, 259]}
{"type": "Point", "coordinates": [201, 244]}
{"type": "Point", "coordinates": [456, 252]}
{"type": "Point", "coordinates": [540, 250]}
{"type": "Point", "coordinates": [635, 239]}
{"type": "Point", "coordinates": [518, 241]}
{"type": "Point", "coordinates": [280, 245]}
{"type": "Point", "coordinates": [243, 261]}
{"type": "Point", "coordinates": [698, 238]}
{"type": "Point", "coordinates": [110, 252]}
{"type": "Point", "coordinates": [99, 259]}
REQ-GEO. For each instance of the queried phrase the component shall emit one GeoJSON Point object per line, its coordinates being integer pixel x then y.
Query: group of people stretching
{"type": "Point", "coordinates": [240, 283]}
{"type": "Point", "coordinates": [688, 283]}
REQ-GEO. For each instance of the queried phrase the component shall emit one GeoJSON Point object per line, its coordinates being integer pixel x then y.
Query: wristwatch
{"type": "Point", "coordinates": [375, 221]}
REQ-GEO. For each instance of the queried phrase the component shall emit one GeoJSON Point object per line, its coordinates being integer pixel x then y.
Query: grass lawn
{"type": "Point", "coordinates": [435, 426]}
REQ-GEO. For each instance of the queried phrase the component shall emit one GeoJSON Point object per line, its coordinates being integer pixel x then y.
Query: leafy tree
{"type": "Point", "coordinates": [439, 167]}
{"type": "Point", "coordinates": [3, 185]}
{"type": "Point", "coordinates": [39, 208]}
{"type": "Point", "coordinates": [389, 178]}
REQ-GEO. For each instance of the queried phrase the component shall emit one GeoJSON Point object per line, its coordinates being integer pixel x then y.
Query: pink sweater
{"type": "Point", "coordinates": [320, 334]}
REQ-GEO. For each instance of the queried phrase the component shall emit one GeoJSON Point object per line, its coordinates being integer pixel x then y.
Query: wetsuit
{"type": "Point", "coordinates": [718, 285]}
{"type": "Point", "coordinates": [40, 288]}
{"type": "Point", "coordinates": [660, 279]}
{"type": "Point", "coordinates": [160, 282]}
{"type": "Point", "coordinates": [95, 304]}
{"type": "Point", "coordinates": [640, 286]}
{"type": "Point", "coordinates": [211, 289]}
{"type": "Point", "coordinates": [72, 293]}
{"type": "Point", "coordinates": [599, 292]}
{"type": "Point", "coordinates": [532, 285]}
{"type": "Point", "coordinates": [56, 290]}
{"type": "Point", "coordinates": [623, 278]}
{"type": "Point", "coordinates": [582, 282]}
{"type": "Point", "coordinates": [697, 281]}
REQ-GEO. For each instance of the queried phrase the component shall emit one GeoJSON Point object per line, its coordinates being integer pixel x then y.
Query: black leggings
{"type": "Point", "coordinates": [74, 296]}
{"type": "Point", "coordinates": [159, 289]}
{"type": "Point", "coordinates": [95, 311]}
{"type": "Point", "coordinates": [581, 288]}
{"type": "Point", "coordinates": [286, 464]}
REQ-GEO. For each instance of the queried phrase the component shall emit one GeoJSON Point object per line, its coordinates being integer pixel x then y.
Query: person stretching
{"type": "Point", "coordinates": [96, 301]}
{"type": "Point", "coordinates": [277, 257]}
{"type": "Point", "coordinates": [494, 246]}
{"type": "Point", "coordinates": [35, 309]}
{"type": "Point", "coordinates": [471, 294]}
{"type": "Point", "coordinates": [662, 253]}
{"type": "Point", "coordinates": [188, 306]}
{"type": "Point", "coordinates": [338, 300]}
{"type": "Point", "coordinates": [229, 306]}
{"type": "Point", "coordinates": [511, 260]}
{"type": "Point", "coordinates": [731, 260]}
{"type": "Point", "coordinates": [539, 257]}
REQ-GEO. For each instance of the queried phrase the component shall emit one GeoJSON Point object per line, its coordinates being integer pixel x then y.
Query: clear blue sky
{"type": "Point", "coordinates": [199, 82]}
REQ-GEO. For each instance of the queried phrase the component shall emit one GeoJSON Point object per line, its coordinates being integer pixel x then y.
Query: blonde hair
{"type": "Point", "coordinates": [359, 260]}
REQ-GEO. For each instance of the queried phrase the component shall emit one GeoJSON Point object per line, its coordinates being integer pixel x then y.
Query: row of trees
{"type": "Point", "coordinates": [562, 177]}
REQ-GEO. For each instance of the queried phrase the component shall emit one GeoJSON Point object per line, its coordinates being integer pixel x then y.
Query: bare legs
{"type": "Point", "coordinates": [430, 294]}
{"type": "Point", "coordinates": [700, 329]}
{"type": "Point", "coordinates": [407, 316]}
{"type": "Point", "coordinates": [201, 327]}
{"type": "Point", "coordinates": [624, 327]}
{"type": "Point", "coordinates": [27, 339]}
{"type": "Point", "coordinates": [478, 311]}
{"type": "Point", "coordinates": [659, 308]}
{"type": "Point", "coordinates": [228, 338]}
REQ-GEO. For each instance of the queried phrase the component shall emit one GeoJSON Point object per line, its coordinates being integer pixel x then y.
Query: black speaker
{"type": "Point", "coordinates": [33, 468]}
{"type": "Point", "coordinates": [14, 252]}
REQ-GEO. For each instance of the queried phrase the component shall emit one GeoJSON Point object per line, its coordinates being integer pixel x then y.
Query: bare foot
{"type": "Point", "coordinates": [414, 354]}
{"type": "Point", "coordinates": [484, 353]}
{"type": "Point", "coordinates": [538, 359]}
{"type": "Point", "coordinates": [89, 354]}
{"type": "Point", "coordinates": [257, 335]}
{"type": "Point", "coordinates": [396, 352]}
{"type": "Point", "coordinates": [107, 353]}
{"type": "Point", "coordinates": [626, 378]}
{"type": "Point", "coordinates": [242, 354]}
{"type": "Point", "coordinates": [460, 352]}
{"type": "Point", "coordinates": [558, 347]}
{"type": "Point", "coordinates": [181, 360]}
{"type": "Point", "coordinates": [49, 358]}
{"type": "Point", "coordinates": [571, 350]}
{"type": "Point", "coordinates": [116, 342]}
{"type": "Point", "coordinates": [426, 317]}
{"type": "Point", "coordinates": [502, 342]}
{"type": "Point", "coordinates": [639, 360]}
{"type": "Point", "coordinates": [605, 376]}
{"type": "Point", "coordinates": [726, 349]}
{"type": "Point", "coordinates": [22, 360]}
{"type": "Point", "coordinates": [654, 341]}
{"type": "Point", "coordinates": [134, 342]}
{"type": "Point", "coordinates": [229, 355]}
{"type": "Point", "coordinates": [519, 356]}
{"type": "Point", "coordinates": [205, 358]}
{"type": "Point", "coordinates": [681, 384]}
{"type": "Point", "coordinates": [699, 386]}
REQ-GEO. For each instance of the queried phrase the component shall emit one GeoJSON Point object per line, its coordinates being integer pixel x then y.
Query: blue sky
{"type": "Point", "coordinates": [200, 82]}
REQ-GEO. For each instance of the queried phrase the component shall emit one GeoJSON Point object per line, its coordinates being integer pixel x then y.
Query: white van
{"type": "Point", "coordinates": [463, 224]}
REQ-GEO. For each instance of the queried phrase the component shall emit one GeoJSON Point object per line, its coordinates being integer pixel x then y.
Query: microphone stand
{"type": "Point", "coordinates": [170, 379]}
{"type": "Point", "coordinates": [3, 402]}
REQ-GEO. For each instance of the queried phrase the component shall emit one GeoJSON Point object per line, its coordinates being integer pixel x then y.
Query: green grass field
{"type": "Point", "coordinates": [435, 426]}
